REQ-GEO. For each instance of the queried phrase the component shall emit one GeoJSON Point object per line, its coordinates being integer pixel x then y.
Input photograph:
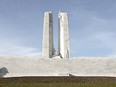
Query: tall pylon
{"type": "Point", "coordinates": [48, 50]}
{"type": "Point", "coordinates": [47, 44]}
{"type": "Point", "coordinates": [63, 38]}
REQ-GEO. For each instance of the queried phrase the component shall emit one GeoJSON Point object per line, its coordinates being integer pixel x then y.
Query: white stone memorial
{"type": "Point", "coordinates": [48, 50]}
{"type": "Point", "coordinates": [48, 45]}
{"type": "Point", "coordinates": [60, 64]}
{"type": "Point", "coordinates": [63, 41]}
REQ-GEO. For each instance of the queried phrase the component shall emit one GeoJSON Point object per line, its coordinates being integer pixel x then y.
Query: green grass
{"type": "Point", "coordinates": [58, 82]}
{"type": "Point", "coordinates": [57, 85]}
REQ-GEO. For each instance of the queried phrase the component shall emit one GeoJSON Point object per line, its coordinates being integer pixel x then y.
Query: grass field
{"type": "Point", "coordinates": [58, 82]}
{"type": "Point", "coordinates": [57, 85]}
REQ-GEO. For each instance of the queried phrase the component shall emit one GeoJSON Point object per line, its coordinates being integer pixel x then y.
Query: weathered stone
{"type": "Point", "coordinates": [37, 66]}
{"type": "Point", "coordinates": [48, 50]}
{"type": "Point", "coordinates": [64, 45]}
{"type": "Point", "coordinates": [47, 45]}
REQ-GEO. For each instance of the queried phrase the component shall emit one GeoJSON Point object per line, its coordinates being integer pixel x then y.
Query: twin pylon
{"type": "Point", "coordinates": [48, 50]}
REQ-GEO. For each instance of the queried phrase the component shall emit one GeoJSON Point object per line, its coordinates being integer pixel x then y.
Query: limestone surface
{"type": "Point", "coordinates": [63, 41]}
{"type": "Point", "coordinates": [47, 43]}
{"type": "Point", "coordinates": [37, 66]}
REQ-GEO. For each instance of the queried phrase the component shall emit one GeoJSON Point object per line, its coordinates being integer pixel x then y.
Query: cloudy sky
{"type": "Point", "coordinates": [92, 25]}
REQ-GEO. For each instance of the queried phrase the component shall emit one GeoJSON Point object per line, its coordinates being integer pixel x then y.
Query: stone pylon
{"type": "Point", "coordinates": [48, 50]}
{"type": "Point", "coordinates": [63, 38]}
{"type": "Point", "coordinates": [47, 44]}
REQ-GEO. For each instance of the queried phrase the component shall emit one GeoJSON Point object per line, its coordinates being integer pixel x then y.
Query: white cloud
{"type": "Point", "coordinates": [12, 44]}
{"type": "Point", "coordinates": [98, 34]}
{"type": "Point", "coordinates": [15, 49]}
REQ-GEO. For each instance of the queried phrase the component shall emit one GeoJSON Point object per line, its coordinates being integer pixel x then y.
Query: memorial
{"type": "Point", "coordinates": [56, 63]}
{"type": "Point", "coordinates": [48, 50]}
{"type": "Point", "coordinates": [48, 45]}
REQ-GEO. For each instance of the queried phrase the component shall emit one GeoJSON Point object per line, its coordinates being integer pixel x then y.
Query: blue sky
{"type": "Point", "coordinates": [92, 26]}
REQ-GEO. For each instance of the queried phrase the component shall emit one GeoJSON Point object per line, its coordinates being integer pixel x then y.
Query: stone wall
{"type": "Point", "coordinates": [80, 66]}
